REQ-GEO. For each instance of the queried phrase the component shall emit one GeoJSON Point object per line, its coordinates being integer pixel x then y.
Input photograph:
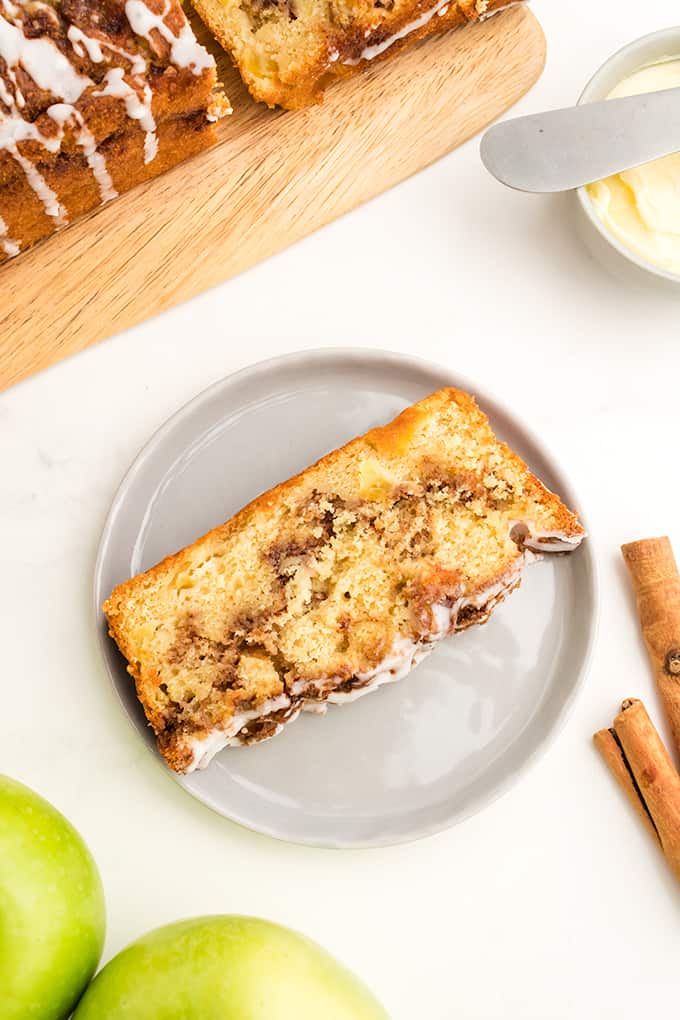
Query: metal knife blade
{"type": "Point", "coordinates": [565, 149]}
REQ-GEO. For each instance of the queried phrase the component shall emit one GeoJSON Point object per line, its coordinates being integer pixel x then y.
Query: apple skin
{"type": "Point", "coordinates": [225, 967]}
{"type": "Point", "coordinates": [52, 914]}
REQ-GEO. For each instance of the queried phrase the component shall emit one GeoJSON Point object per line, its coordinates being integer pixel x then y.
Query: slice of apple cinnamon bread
{"type": "Point", "coordinates": [334, 582]}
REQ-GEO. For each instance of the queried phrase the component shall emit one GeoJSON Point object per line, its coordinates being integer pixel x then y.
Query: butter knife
{"type": "Point", "coordinates": [565, 149]}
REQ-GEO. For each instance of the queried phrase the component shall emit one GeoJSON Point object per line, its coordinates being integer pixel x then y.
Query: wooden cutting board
{"type": "Point", "coordinates": [273, 178]}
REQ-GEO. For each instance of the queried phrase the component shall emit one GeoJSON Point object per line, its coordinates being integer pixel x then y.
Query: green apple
{"type": "Point", "coordinates": [226, 968]}
{"type": "Point", "coordinates": [52, 915]}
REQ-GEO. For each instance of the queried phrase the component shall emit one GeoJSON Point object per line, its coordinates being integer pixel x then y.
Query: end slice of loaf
{"type": "Point", "coordinates": [335, 581]}
{"type": "Point", "coordinates": [288, 51]}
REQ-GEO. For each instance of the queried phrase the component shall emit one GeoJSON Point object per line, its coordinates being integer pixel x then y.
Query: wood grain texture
{"type": "Point", "coordinates": [273, 178]}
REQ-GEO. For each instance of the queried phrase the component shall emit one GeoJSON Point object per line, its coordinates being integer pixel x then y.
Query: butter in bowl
{"type": "Point", "coordinates": [632, 219]}
{"type": "Point", "coordinates": [641, 206]}
{"type": "Point", "coordinates": [617, 150]}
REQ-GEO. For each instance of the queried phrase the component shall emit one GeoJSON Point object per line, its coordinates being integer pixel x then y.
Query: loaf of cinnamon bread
{"type": "Point", "coordinates": [334, 582]}
{"type": "Point", "coordinates": [95, 96]}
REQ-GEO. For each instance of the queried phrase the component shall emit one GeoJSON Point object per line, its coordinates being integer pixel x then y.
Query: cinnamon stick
{"type": "Point", "coordinates": [656, 583]}
{"type": "Point", "coordinates": [653, 774]}
{"type": "Point", "coordinates": [610, 749]}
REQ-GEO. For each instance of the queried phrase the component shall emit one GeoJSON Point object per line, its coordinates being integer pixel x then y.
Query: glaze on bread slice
{"type": "Point", "coordinates": [288, 51]}
{"type": "Point", "coordinates": [334, 582]}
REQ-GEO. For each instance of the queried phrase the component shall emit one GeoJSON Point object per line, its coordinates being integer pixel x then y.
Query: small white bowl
{"type": "Point", "coordinates": [602, 243]}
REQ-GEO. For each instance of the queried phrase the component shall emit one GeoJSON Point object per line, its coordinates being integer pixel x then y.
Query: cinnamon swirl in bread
{"type": "Point", "coordinates": [334, 582]}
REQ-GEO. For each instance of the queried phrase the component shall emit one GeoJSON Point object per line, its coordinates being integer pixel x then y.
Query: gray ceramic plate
{"type": "Point", "coordinates": [412, 758]}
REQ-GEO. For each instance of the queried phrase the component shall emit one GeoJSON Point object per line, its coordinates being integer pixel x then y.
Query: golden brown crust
{"type": "Point", "coordinates": [344, 40]}
{"type": "Point", "coordinates": [390, 491]}
{"type": "Point", "coordinates": [71, 178]}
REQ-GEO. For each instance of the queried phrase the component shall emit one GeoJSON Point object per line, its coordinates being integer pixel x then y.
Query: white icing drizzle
{"type": "Point", "coordinates": [10, 247]}
{"type": "Point", "coordinates": [137, 61]}
{"type": "Point", "coordinates": [39, 185]}
{"type": "Point", "coordinates": [205, 748]}
{"type": "Point", "coordinates": [150, 142]}
{"type": "Point", "coordinates": [370, 52]}
{"type": "Point", "coordinates": [45, 63]}
{"type": "Point", "coordinates": [16, 100]}
{"type": "Point", "coordinates": [15, 129]}
{"type": "Point", "coordinates": [553, 541]}
{"type": "Point", "coordinates": [87, 44]}
{"type": "Point", "coordinates": [62, 114]}
{"type": "Point", "coordinates": [485, 15]}
{"type": "Point", "coordinates": [137, 109]}
{"type": "Point", "coordinates": [185, 50]}
{"type": "Point", "coordinates": [403, 656]}
{"type": "Point", "coordinates": [534, 540]}
{"type": "Point", "coordinates": [6, 96]}
{"type": "Point", "coordinates": [440, 8]}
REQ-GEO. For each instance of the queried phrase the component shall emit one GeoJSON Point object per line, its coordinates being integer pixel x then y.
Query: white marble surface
{"type": "Point", "coordinates": [550, 904]}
